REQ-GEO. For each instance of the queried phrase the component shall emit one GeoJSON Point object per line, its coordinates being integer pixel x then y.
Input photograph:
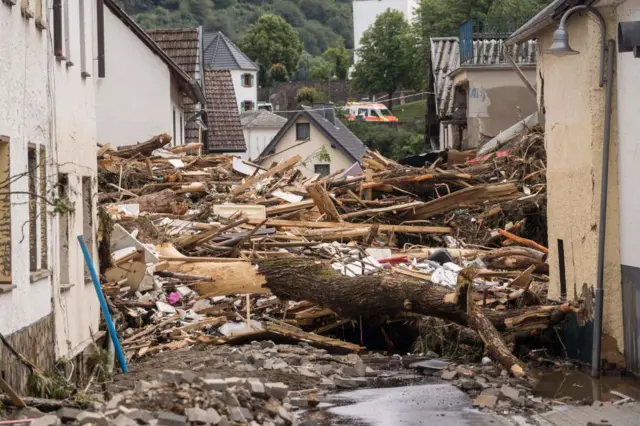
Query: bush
{"type": "Point", "coordinates": [309, 95]}
{"type": "Point", "coordinates": [390, 142]}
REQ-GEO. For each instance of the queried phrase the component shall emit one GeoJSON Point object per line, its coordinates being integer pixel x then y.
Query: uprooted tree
{"type": "Point", "coordinates": [350, 297]}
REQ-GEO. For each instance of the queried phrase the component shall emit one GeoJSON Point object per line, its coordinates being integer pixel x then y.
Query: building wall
{"type": "Point", "coordinates": [308, 151]}
{"type": "Point", "coordinates": [628, 70]}
{"type": "Point", "coordinates": [365, 13]}
{"type": "Point", "coordinates": [180, 119]}
{"type": "Point", "coordinates": [496, 99]}
{"type": "Point", "coordinates": [134, 100]}
{"type": "Point", "coordinates": [245, 93]}
{"type": "Point", "coordinates": [25, 117]}
{"type": "Point", "coordinates": [256, 139]}
{"type": "Point", "coordinates": [76, 307]}
{"type": "Point", "coordinates": [574, 104]}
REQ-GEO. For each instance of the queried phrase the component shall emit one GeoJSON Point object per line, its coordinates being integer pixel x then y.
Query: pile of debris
{"type": "Point", "coordinates": [213, 249]}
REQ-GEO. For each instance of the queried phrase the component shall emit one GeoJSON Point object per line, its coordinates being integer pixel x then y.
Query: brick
{"type": "Point", "coordinates": [485, 401]}
{"type": "Point", "coordinates": [277, 390]}
{"type": "Point", "coordinates": [219, 385]}
{"type": "Point", "coordinates": [197, 415]}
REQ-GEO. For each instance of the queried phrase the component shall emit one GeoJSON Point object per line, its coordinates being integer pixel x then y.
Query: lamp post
{"type": "Point", "coordinates": [560, 47]}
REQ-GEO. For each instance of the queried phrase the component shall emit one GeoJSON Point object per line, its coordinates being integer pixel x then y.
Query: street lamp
{"type": "Point", "coordinates": [560, 47]}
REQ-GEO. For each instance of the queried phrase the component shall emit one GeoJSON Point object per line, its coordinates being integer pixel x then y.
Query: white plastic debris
{"type": "Point", "coordinates": [165, 308]}
{"type": "Point", "coordinates": [366, 266]}
{"type": "Point", "coordinates": [379, 253]}
{"type": "Point", "coordinates": [231, 328]}
{"type": "Point", "coordinates": [176, 163]}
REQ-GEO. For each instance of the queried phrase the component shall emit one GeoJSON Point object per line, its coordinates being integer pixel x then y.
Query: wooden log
{"type": "Point", "coordinates": [286, 208]}
{"type": "Point", "coordinates": [250, 181]}
{"type": "Point", "coordinates": [144, 148]}
{"type": "Point", "coordinates": [523, 241]}
{"type": "Point", "coordinates": [323, 202]}
{"type": "Point", "coordinates": [408, 229]}
{"type": "Point", "coordinates": [372, 296]}
{"type": "Point", "coordinates": [226, 278]}
{"type": "Point", "coordinates": [158, 202]}
{"type": "Point", "coordinates": [467, 197]}
{"type": "Point", "coordinates": [396, 208]}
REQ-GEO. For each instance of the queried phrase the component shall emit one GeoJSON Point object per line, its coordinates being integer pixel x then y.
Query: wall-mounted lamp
{"type": "Point", "coordinates": [560, 47]}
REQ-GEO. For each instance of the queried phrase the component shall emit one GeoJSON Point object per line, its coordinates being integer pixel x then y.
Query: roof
{"type": "Point", "coordinates": [223, 120]}
{"type": "Point", "coordinates": [186, 83]}
{"type": "Point", "coordinates": [220, 53]}
{"type": "Point", "coordinates": [445, 58]}
{"type": "Point", "coordinates": [338, 134]}
{"type": "Point", "coordinates": [181, 45]}
{"type": "Point", "coordinates": [543, 19]}
{"type": "Point", "coordinates": [261, 118]}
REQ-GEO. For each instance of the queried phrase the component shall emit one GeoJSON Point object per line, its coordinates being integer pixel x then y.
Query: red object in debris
{"type": "Point", "coordinates": [485, 157]}
{"type": "Point", "coordinates": [394, 260]}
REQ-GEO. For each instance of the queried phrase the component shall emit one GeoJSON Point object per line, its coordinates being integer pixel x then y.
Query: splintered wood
{"type": "Point", "coordinates": [228, 251]}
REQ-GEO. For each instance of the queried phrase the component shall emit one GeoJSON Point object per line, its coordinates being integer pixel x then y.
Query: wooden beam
{"type": "Point", "coordinates": [286, 208]}
{"type": "Point", "coordinates": [250, 181]}
{"type": "Point", "coordinates": [407, 229]}
{"type": "Point", "coordinates": [323, 201]}
{"type": "Point", "coordinates": [395, 208]}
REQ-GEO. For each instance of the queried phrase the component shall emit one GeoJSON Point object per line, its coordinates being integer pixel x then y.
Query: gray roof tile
{"type": "Point", "coordinates": [261, 118]}
{"type": "Point", "coordinates": [221, 54]}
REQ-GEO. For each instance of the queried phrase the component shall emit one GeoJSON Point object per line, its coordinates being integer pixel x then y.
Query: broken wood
{"type": "Point", "coordinates": [323, 201]}
{"type": "Point", "coordinates": [250, 181]}
{"type": "Point", "coordinates": [523, 241]}
{"type": "Point", "coordinates": [144, 148]}
{"type": "Point", "coordinates": [14, 398]}
{"type": "Point", "coordinates": [409, 229]}
{"type": "Point", "coordinates": [158, 202]}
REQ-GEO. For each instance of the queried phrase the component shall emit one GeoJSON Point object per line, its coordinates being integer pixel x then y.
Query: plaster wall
{"type": "Point", "coordinates": [568, 91]}
{"type": "Point", "coordinates": [256, 139]}
{"type": "Point", "coordinates": [497, 99]}
{"type": "Point", "coordinates": [245, 93]}
{"type": "Point", "coordinates": [25, 117]}
{"type": "Point", "coordinates": [76, 307]}
{"type": "Point", "coordinates": [134, 100]}
{"type": "Point", "coordinates": [307, 151]}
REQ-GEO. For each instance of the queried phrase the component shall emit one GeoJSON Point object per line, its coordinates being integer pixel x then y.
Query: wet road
{"type": "Point", "coordinates": [440, 404]}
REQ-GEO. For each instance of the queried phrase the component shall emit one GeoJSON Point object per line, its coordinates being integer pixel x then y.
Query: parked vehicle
{"type": "Point", "coordinates": [267, 106]}
{"type": "Point", "coordinates": [369, 111]}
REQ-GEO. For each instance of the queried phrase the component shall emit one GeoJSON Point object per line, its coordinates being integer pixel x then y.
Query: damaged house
{"type": "Point", "coordinates": [478, 93]}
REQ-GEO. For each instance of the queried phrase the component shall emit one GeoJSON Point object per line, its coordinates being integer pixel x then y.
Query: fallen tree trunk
{"type": "Point", "coordinates": [351, 297]}
{"type": "Point", "coordinates": [158, 202]}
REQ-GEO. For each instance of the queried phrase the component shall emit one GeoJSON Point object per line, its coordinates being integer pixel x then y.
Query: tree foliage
{"type": "Point", "coordinates": [309, 95]}
{"type": "Point", "coordinates": [319, 22]}
{"type": "Point", "coordinates": [387, 56]}
{"type": "Point", "coordinates": [271, 40]}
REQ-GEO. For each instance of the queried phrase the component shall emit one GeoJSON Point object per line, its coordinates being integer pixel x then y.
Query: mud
{"type": "Point", "coordinates": [581, 387]}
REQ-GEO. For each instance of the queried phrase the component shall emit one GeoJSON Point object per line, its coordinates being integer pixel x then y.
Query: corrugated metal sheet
{"type": "Point", "coordinates": [445, 58]}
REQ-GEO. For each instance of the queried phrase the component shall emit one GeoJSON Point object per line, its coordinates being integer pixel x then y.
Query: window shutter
{"type": "Point", "coordinates": [243, 80]}
{"type": "Point", "coordinates": [242, 106]}
{"type": "Point", "coordinates": [252, 80]}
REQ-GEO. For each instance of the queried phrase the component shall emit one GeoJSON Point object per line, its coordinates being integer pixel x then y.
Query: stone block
{"type": "Point", "coordinates": [277, 390]}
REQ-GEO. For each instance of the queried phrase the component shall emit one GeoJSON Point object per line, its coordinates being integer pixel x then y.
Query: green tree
{"type": "Point", "coordinates": [340, 59]}
{"type": "Point", "coordinates": [309, 95]}
{"type": "Point", "coordinates": [271, 40]}
{"type": "Point", "coordinates": [387, 56]}
{"type": "Point", "coordinates": [324, 71]}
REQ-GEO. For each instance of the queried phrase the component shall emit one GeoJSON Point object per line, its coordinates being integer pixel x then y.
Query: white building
{"type": "Point", "coordinates": [48, 309]}
{"type": "Point", "coordinates": [365, 13]}
{"type": "Point", "coordinates": [141, 94]}
{"type": "Point", "coordinates": [220, 53]}
{"type": "Point", "coordinates": [259, 128]}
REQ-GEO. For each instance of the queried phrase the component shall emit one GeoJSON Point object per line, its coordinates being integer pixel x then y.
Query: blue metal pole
{"type": "Point", "coordinates": [103, 305]}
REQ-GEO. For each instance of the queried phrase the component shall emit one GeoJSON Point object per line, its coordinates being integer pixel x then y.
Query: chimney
{"type": "Point", "coordinates": [328, 111]}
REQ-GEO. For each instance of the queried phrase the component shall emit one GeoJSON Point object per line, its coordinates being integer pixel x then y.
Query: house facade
{"type": "Point", "coordinates": [573, 103]}
{"type": "Point", "coordinates": [47, 147]}
{"type": "Point", "coordinates": [259, 128]}
{"type": "Point", "coordinates": [220, 53]}
{"type": "Point", "coordinates": [478, 93]}
{"type": "Point", "coordinates": [323, 142]}
{"type": "Point", "coordinates": [160, 95]}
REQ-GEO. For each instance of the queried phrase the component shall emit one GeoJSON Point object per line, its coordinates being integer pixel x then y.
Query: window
{"type": "Point", "coordinates": [173, 142]}
{"type": "Point", "coordinates": [63, 194]}
{"type": "Point", "coordinates": [26, 10]}
{"type": "Point", "coordinates": [67, 38]}
{"type": "Point", "coordinates": [32, 170]}
{"type": "Point", "coordinates": [303, 131]}
{"type": "Point", "coordinates": [83, 48]}
{"type": "Point", "coordinates": [363, 112]}
{"type": "Point", "coordinates": [374, 113]}
{"type": "Point", "coordinates": [57, 30]}
{"type": "Point", "coordinates": [5, 215]}
{"type": "Point", "coordinates": [322, 169]}
{"type": "Point", "coordinates": [87, 220]}
{"type": "Point", "coordinates": [246, 106]}
{"type": "Point", "coordinates": [40, 15]}
{"type": "Point", "coordinates": [181, 129]}
{"type": "Point", "coordinates": [44, 246]}
{"type": "Point", "coordinates": [247, 80]}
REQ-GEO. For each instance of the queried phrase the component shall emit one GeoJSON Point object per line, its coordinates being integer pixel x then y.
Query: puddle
{"type": "Point", "coordinates": [580, 386]}
{"type": "Point", "coordinates": [440, 404]}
